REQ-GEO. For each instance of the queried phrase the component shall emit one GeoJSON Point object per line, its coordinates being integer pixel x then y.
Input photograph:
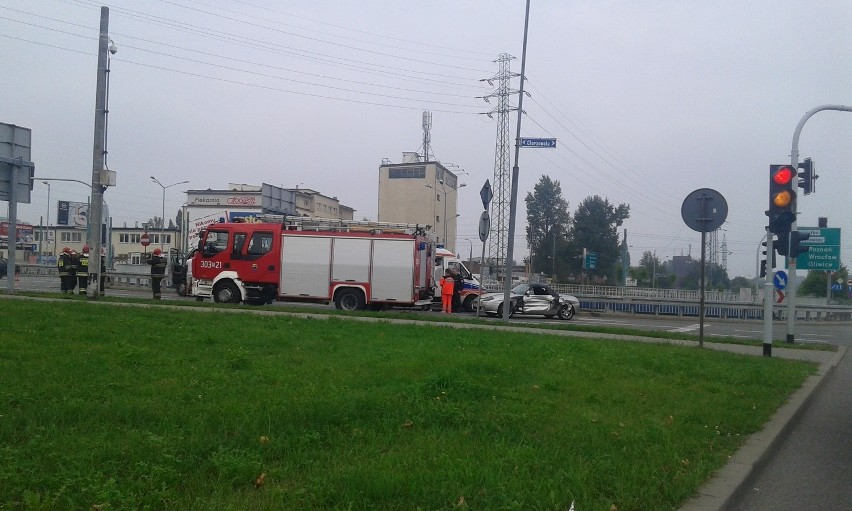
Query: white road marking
{"type": "Point", "coordinates": [688, 328]}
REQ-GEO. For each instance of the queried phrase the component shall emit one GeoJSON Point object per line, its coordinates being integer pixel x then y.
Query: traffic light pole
{"type": "Point", "coordinates": [791, 261]}
{"type": "Point", "coordinates": [767, 297]}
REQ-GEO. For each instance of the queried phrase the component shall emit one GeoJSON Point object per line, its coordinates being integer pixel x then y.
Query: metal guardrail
{"type": "Point", "coordinates": [114, 278]}
{"type": "Point", "coordinates": [718, 310]}
{"type": "Point", "coordinates": [636, 292]}
{"type": "Point", "coordinates": [685, 303]}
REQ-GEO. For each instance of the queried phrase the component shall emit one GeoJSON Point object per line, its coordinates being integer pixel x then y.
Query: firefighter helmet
{"type": "Point", "coordinates": [66, 250]}
{"type": "Point", "coordinates": [86, 248]}
{"type": "Point", "coordinates": [157, 251]}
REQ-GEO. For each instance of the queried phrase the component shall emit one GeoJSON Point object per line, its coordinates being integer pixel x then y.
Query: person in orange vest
{"type": "Point", "coordinates": [447, 285]}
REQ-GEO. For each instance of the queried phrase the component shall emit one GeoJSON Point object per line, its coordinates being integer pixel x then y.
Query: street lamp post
{"type": "Point", "coordinates": [47, 219]}
{"type": "Point", "coordinates": [163, 218]}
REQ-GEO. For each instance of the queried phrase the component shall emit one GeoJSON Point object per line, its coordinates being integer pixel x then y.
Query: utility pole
{"type": "Point", "coordinates": [513, 204]}
{"type": "Point", "coordinates": [98, 155]}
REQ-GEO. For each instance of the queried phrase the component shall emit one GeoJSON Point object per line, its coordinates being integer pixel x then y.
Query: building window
{"type": "Point", "coordinates": [407, 172]}
{"type": "Point", "coordinates": [135, 258]}
{"type": "Point", "coordinates": [72, 237]}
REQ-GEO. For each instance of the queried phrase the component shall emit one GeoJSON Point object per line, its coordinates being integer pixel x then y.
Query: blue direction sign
{"type": "Point", "coordinates": [538, 142]}
{"type": "Point", "coordinates": [780, 280]}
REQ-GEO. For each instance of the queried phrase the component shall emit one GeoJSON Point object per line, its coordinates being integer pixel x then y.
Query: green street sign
{"type": "Point", "coordinates": [824, 249]}
{"type": "Point", "coordinates": [591, 261]}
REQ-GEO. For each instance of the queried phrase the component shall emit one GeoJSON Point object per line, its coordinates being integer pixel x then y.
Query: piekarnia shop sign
{"type": "Point", "coordinates": [233, 200]}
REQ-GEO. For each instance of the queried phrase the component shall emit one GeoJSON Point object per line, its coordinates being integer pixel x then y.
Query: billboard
{"type": "Point", "coordinates": [72, 214]}
{"type": "Point", "coordinates": [24, 239]}
{"type": "Point", "coordinates": [15, 142]}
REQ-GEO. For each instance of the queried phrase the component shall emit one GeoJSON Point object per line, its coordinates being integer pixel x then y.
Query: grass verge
{"type": "Point", "coordinates": [456, 318]}
{"type": "Point", "coordinates": [128, 408]}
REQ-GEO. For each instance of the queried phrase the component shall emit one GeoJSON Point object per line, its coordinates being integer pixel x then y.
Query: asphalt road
{"type": "Point", "coordinates": [807, 332]}
{"type": "Point", "coordinates": [812, 467]}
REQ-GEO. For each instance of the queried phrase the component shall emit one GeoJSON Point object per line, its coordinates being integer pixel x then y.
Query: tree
{"type": "Point", "coordinates": [651, 266]}
{"type": "Point", "coordinates": [715, 277]}
{"type": "Point", "coordinates": [548, 223]}
{"type": "Point", "coordinates": [738, 283]}
{"type": "Point", "coordinates": [155, 223]}
{"type": "Point", "coordinates": [816, 282]}
{"type": "Point", "coordinates": [179, 217]}
{"type": "Point", "coordinates": [595, 228]}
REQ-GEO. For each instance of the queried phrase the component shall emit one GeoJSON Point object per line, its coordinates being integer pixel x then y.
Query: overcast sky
{"type": "Point", "coordinates": [648, 100]}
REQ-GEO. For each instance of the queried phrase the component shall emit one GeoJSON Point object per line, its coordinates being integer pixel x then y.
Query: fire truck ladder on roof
{"type": "Point", "coordinates": [304, 223]}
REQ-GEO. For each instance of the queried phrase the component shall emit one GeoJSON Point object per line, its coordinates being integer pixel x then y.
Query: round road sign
{"type": "Point", "coordinates": [704, 210]}
{"type": "Point", "coordinates": [145, 240]}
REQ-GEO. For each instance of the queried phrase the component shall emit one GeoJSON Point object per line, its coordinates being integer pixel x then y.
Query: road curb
{"type": "Point", "coordinates": [734, 478]}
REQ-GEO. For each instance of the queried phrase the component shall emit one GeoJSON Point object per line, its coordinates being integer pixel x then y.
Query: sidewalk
{"type": "Point", "coordinates": [718, 493]}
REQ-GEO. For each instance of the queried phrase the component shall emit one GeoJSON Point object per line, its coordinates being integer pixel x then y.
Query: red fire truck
{"type": "Point", "coordinates": [353, 264]}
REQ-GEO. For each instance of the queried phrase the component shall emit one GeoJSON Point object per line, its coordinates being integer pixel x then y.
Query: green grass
{"type": "Point", "coordinates": [458, 318]}
{"type": "Point", "coordinates": [150, 408]}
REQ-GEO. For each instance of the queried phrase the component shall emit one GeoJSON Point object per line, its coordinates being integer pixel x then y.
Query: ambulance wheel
{"type": "Point", "coordinates": [471, 303]}
{"type": "Point", "coordinates": [349, 300]}
{"type": "Point", "coordinates": [226, 292]}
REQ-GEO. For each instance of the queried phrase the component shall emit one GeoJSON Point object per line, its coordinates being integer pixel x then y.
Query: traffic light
{"type": "Point", "coordinates": [782, 244]}
{"type": "Point", "coordinates": [763, 262]}
{"type": "Point", "coordinates": [782, 198]}
{"type": "Point", "coordinates": [796, 237]}
{"type": "Point", "coordinates": [807, 177]}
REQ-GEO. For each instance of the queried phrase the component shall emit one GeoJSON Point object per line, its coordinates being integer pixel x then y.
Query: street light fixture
{"type": "Point", "coordinates": [163, 218]}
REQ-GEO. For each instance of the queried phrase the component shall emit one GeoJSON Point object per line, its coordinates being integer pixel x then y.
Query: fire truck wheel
{"type": "Point", "coordinates": [226, 292]}
{"type": "Point", "coordinates": [349, 300]}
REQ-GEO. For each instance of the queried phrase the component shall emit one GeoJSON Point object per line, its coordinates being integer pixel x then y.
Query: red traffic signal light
{"type": "Point", "coordinates": [782, 198]}
{"type": "Point", "coordinates": [782, 175]}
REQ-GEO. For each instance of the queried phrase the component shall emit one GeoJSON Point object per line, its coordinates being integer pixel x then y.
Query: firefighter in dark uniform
{"type": "Point", "coordinates": [65, 264]}
{"type": "Point", "coordinates": [458, 286]}
{"type": "Point", "coordinates": [103, 269]}
{"type": "Point", "coordinates": [83, 270]}
{"type": "Point", "coordinates": [158, 271]}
